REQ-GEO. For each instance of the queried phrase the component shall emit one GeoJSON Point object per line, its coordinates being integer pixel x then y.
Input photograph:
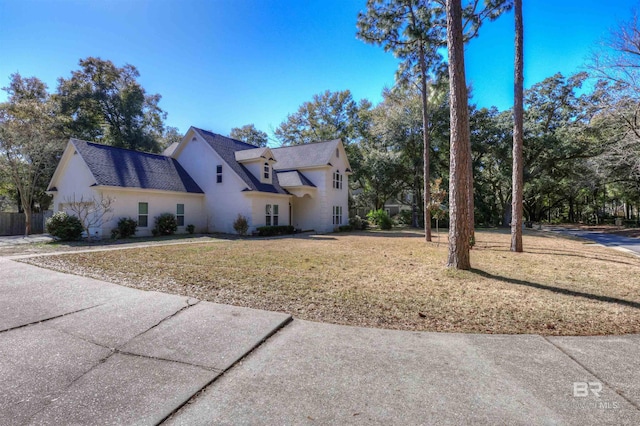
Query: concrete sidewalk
{"type": "Point", "coordinates": [79, 351]}
{"type": "Point", "coordinates": [12, 240]}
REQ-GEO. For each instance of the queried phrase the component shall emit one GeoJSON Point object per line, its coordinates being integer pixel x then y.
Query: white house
{"type": "Point", "coordinates": [207, 180]}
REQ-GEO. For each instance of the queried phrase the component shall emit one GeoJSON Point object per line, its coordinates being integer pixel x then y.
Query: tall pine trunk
{"type": "Point", "coordinates": [460, 185]}
{"type": "Point", "coordinates": [518, 181]}
{"type": "Point", "coordinates": [425, 140]}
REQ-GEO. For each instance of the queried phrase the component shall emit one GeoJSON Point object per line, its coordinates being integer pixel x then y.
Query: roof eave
{"type": "Point", "coordinates": [139, 189]}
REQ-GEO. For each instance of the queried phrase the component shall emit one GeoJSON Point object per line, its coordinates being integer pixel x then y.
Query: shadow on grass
{"type": "Point", "coordinates": [557, 290]}
{"type": "Point", "coordinates": [105, 242]}
{"type": "Point", "coordinates": [568, 253]}
{"type": "Point", "coordinates": [405, 233]}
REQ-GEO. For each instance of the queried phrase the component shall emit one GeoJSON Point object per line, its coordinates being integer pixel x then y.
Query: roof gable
{"type": "Point", "coordinates": [125, 168]}
{"type": "Point", "coordinates": [63, 163]}
{"type": "Point", "coordinates": [226, 148]}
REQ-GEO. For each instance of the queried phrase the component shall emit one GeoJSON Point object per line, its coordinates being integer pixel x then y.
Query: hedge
{"type": "Point", "coordinates": [269, 231]}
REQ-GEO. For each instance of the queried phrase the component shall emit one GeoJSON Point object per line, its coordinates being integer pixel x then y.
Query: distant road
{"type": "Point", "coordinates": [608, 240]}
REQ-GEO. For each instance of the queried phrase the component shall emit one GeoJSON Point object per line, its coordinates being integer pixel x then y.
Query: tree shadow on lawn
{"type": "Point", "coordinates": [408, 233]}
{"type": "Point", "coordinates": [317, 237]}
{"type": "Point", "coordinates": [496, 247]}
{"type": "Point", "coordinates": [558, 290]}
{"type": "Point", "coordinates": [569, 253]}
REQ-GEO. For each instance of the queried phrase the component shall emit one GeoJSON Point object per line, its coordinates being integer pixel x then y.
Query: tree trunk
{"type": "Point", "coordinates": [414, 200]}
{"type": "Point", "coordinates": [459, 229]}
{"type": "Point", "coordinates": [425, 140]}
{"type": "Point", "coordinates": [27, 220]}
{"type": "Point", "coordinates": [518, 181]}
{"type": "Point", "coordinates": [470, 199]}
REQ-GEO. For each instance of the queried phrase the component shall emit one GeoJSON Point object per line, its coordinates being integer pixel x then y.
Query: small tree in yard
{"type": "Point", "coordinates": [436, 205]}
{"type": "Point", "coordinates": [93, 212]}
{"type": "Point", "coordinates": [241, 225]}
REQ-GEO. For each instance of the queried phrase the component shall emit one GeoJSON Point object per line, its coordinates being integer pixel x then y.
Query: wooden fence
{"type": "Point", "coordinates": [14, 223]}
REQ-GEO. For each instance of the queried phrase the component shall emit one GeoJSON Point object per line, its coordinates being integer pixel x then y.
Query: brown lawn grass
{"type": "Point", "coordinates": [394, 280]}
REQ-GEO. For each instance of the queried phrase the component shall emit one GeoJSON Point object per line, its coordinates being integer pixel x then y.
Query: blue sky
{"type": "Point", "coordinates": [220, 64]}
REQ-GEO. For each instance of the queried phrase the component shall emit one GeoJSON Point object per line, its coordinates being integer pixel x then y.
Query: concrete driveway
{"type": "Point", "coordinates": [79, 351]}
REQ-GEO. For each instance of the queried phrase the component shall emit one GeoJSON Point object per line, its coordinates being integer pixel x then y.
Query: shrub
{"type": "Point", "coordinates": [380, 218]}
{"type": "Point", "coordinates": [166, 224]}
{"type": "Point", "coordinates": [241, 225]}
{"type": "Point", "coordinates": [269, 231]}
{"type": "Point", "coordinates": [358, 223]}
{"type": "Point", "coordinates": [191, 229]}
{"type": "Point", "coordinates": [405, 217]}
{"type": "Point", "coordinates": [345, 228]}
{"type": "Point", "coordinates": [64, 226]}
{"type": "Point", "coordinates": [126, 228]}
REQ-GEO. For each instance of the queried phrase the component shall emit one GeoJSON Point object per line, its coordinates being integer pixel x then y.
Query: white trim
{"type": "Point", "coordinates": [156, 191]}
{"type": "Point", "coordinates": [266, 194]}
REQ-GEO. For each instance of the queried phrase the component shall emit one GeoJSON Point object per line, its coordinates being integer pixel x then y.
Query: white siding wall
{"type": "Point", "coordinates": [75, 184]}
{"type": "Point", "coordinates": [126, 205]}
{"type": "Point", "coordinates": [304, 209]}
{"type": "Point", "coordinates": [338, 197]}
{"type": "Point", "coordinates": [259, 203]}
{"type": "Point", "coordinates": [223, 201]}
{"type": "Point", "coordinates": [317, 213]}
{"type": "Point", "coordinates": [75, 181]}
{"type": "Point", "coordinates": [255, 168]}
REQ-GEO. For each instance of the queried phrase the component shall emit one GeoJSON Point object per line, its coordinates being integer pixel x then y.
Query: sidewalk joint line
{"type": "Point", "coordinates": [275, 330]}
{"type": "Point", "coordinates": [51, 318]}
{"type": "Point", "coordinates": [156, 358]}
{"type": "Point", "coordinates": [160, 322]}
{"type": "Point", "coordinates": [60, 392]}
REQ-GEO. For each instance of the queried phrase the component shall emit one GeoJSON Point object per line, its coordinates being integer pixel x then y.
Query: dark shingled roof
{"type": "Point", "coordinates": [113, 166]}
{"type": "Point", "coordinates": [290, 178]}
{"type": "Point", "coordinates": [226, 148]}
{"type": "Point", "coordinates": [306, 155]}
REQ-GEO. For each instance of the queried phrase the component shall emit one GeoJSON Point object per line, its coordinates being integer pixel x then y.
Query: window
{"type": "Point", "coordinates": [143, 215]}
{"type": "Point", "coordinates": [337, 215]}
{"type": "Point", "coordinates": [219, 173]}
{"type": "Point", "coordinates": [337, 180]}
{"type": "Point", "coordinates": [180, 214]}
{"type": "Point", "coordinates": [337, 152]}
{"type": "Point", "coordinates": [271, 217]}
{"type": "Point", "coordinates": [267, 170]}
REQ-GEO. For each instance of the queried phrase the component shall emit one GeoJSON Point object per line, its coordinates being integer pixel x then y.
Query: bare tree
{"type": "Point", "coordinates": [460, 157]}
{"type": "Point", "coordinates": [518, 111]}
{"type": "Point", "coordinates": [617, 110]}
{"type": "Point", "coordinates": [93, 212]}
